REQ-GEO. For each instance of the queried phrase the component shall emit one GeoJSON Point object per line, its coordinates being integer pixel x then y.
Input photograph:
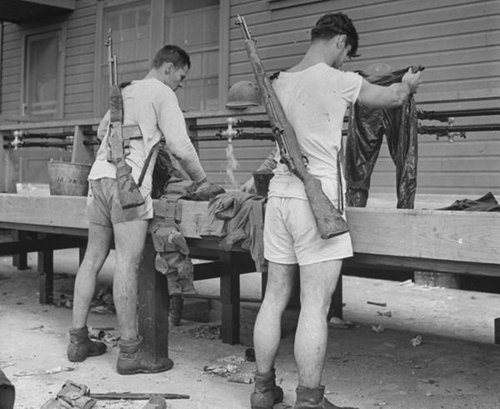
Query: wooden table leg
{"type": "Point", "coordinates": [336, 309]}
{"type": "Point", "coordinates": [230, 297]}
{"type": "Point", "coordinates": [153, 304]}
{"type": "Point", "coordinates": [46, 276]}
{"type": "Point", "coordinates": [20, 260]}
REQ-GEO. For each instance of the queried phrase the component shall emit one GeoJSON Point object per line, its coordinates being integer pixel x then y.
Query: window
{"type": "Point", "coordinates": [131, 33]}
{"type": "Point", "coordinates": [194, 26]}
{"type": "Point", "coordinates": [42, 85]}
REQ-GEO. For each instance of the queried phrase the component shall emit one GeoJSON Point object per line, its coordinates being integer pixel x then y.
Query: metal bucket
{"type": "Point", "coordinates": [68, 179]}
{"type": "Point", "coordinates": [262, 179]}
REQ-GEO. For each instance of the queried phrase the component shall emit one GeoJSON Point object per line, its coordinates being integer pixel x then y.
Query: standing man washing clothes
{"type": "Point", "coordinates": [315, 95]}
{"type": "Point", "coordinates": [152, 106]}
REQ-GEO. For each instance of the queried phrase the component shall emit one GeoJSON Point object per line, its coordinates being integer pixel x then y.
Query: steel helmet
{"type": "Point", "coordinates": [243, 94]}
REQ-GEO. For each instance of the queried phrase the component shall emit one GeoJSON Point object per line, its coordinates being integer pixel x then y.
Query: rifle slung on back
{"type": "Point", "coordinates": [328, 218]}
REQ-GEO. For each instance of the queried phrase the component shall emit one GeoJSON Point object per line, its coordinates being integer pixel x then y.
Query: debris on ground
{"type": "Point", "coordinates": [379, 304]}
{"type": "Point", "coordinates": [221, 370]}
{"type": "Point", "coordinates": [241, 378]}
{"type": "Point", "coordinates": [378, 328]}
{"type": "Point", "coordinates": [62, 300]}
{"type": "Point", "coordinates": [339, 323]}
{"type": "Point", "coordinates": [46, 371]}
{"type": "Point", "coordinates": [417, 341]}
{"type": "Point", "coordinates": [230, 367]}
{"type": "Point", "coordinates": [250, 354]}
{"type": "Point", "coordinates": [385, 313]}
{"type": "Point", "coordinates": [105, 335]}
{"type": "Point", "coordinates": [206, 332]}
{"type": "Point", "coordinates": [234, 360]}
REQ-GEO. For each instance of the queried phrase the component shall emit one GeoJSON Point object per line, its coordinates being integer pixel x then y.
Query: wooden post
{"type": "Point", "coordinates": [193, 134]}
{"type": "Point", "coordinates": [336, 309]}
{"type": "Point", "coordinates": [82, 153]}
{"type": "Point", "coordinates": [46, 276]}
{"type": "Point", "coordinates": [20, 260]}
{"type": "Point", "coordinates": [81, 254]}
{"type": "Point", "coordinates": [230, 297]}
{"type": "Point", "coordinates": [153, 303]}
{"type": "Point", "coordinates": [497, 331]}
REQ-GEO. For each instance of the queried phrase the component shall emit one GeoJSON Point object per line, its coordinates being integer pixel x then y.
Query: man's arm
{"type": "Point", "coordinates": [173, 126]}
{"type": "Point", "coordinates": [376, 96]}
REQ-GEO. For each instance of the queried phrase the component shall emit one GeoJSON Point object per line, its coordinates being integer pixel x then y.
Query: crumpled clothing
{"type": "Point", "coordinates": [486, 203]}
{"type": "Point", "coordinates": [172, 256]}
{"type": "Point", "coordinates": [367, 126]}
{"type": "Point", "coordinates": [244, 222]}
{"type": "Point", "coordinates": [163, 172]}
{"type": "Point", "coordinates": [203, 192]}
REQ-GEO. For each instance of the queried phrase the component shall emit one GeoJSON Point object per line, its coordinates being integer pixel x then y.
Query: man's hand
{"type": "Point", "coordinates": [412, 79]}
{"type": "Point", "coordinates": [202, 191]}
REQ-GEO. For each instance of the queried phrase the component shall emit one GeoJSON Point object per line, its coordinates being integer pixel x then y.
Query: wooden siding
{"type": "Point", "coordinates": [458, 41]}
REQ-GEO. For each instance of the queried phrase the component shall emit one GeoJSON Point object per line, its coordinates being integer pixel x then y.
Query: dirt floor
{"type": "Point", "coordinates": [377, 363]}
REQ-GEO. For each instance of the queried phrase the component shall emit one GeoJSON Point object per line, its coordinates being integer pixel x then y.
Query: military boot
{"type": "Point", "coordinates": [80, 346]}
{"type": "Point", "coordinates": [133, 358]}
{"type": "Point", "coordinates": [266, 393]}
{"type": "Point", "coordinates": [314, 398]}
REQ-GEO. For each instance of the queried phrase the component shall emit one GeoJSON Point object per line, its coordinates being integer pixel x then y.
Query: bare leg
{"type": "Point", "coordinates": [267, 330]}
{"type": "Point", "coordinates": [99, 242]}
{"type": "Point", "coordinates": [317, 283]}
{"type": "Point", "coordinates": [130, 238]}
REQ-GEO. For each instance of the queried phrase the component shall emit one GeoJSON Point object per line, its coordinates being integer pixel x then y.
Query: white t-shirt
{"type": "Point", "coordinates": [153, 106]}
{"type": "Point", "coordinates": [315, 101]}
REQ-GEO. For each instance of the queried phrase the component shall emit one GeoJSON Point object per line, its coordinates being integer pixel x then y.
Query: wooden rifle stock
{"type": "Point", "coordinates": [129, 193]}
{"type": "Point", "coordinates": [328, 219]}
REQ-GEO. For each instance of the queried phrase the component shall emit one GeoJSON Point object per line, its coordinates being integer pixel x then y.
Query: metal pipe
{"type": "Point", "coordinates": [39, 136]}
{"type": "Point", "coordinates": [444, 129]}
{"type": "Point", "coordinates": [239, 123]}
{"type": "Point", "coordinates": [444, 115]}
{"type": "Point", "coordinates": [39, 145]}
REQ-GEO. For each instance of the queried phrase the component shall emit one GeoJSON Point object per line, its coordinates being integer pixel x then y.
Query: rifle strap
{"type": "Point", "coordinates": [146, 163]}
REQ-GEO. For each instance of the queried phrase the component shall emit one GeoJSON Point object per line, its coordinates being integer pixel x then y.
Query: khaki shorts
{"type": "Point", "coordinates": [103, 205]}
{"type": "Point", "coordinates": [292, 237]}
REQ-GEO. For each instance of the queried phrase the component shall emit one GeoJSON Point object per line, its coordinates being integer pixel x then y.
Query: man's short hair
{"type": "Point", "coordinates": [332, 24]}
{"type": "Point", "coordinates": [171, 53]}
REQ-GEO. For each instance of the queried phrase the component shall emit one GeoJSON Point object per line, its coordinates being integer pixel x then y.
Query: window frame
{"type": "Point", "coordinates": [99, 57]}
{"type": "Point", "coordinates": [61, 29]}
{"type": "Point", "coordinates": [223, 46]}
{"type": "Point", "coordinates": [159, 10]}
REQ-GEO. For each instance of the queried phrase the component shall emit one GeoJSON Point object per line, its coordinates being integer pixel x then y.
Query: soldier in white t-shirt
{"type": "Point", "coordinates": [151, 106]}
{"type": "Point", "coordinates": [315, 95]}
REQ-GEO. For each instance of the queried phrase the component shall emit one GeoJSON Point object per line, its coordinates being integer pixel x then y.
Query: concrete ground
{"type": "Point", "coordinates": [377, 363]}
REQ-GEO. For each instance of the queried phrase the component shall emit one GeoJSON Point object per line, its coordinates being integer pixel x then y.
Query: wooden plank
{"type": "Point", "coordinates": [29, 245]}
{"type": "Point", "coordinates": [52, 211]}
{"type": "Point", "coordinates": [428, 234]}
{"type": "Point", "coordinates": [440, 235]}
{"type": "Point", "coordinates": [397, 264]}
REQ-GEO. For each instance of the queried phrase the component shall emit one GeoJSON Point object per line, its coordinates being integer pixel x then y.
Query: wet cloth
{"type": "Point", "coordinates": [367, 128]}
{"type": "Point", "coordinates": [486, 203]}
{"type": "Point", "coordinates": [243, 215]}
